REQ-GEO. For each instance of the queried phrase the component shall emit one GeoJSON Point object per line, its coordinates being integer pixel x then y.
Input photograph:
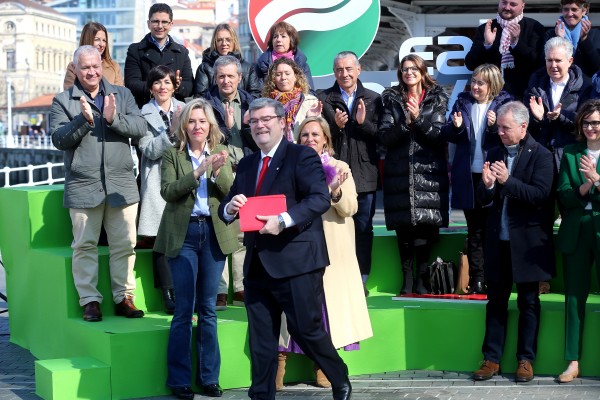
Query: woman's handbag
{"type": "Point", "coordinates": [442, 276]}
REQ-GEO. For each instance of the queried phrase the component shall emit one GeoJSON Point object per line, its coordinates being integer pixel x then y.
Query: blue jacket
{"type": "Point", "coordinates": [463, 196]}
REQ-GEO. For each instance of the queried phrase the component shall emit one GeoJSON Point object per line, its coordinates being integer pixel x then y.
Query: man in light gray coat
{"type": "Point", "coordinates": [93, 122]}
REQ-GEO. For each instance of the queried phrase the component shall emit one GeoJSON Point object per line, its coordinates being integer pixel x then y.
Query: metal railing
{"type": "Point", "coordinates": [26, 142]}
{"type": "Point", "coordinates": [50, 180]}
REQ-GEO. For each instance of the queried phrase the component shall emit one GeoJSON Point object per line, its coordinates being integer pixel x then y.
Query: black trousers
{"type": "Point", "coordinates": [300, 298]}
{"type": "Point", "coordinates": [496, 317]}
{"type": "Point", "coordinates": [475, 222]}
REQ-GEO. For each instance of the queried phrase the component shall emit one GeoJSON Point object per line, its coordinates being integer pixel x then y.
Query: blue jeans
{"type": "Point", "coordinates": [196, 272]}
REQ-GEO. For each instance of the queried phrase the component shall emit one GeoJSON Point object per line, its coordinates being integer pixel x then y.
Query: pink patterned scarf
{"type": "Point", "coordinates": [508, 60]}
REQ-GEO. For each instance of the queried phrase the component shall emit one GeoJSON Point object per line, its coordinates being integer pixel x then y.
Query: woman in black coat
{"type": "Point", "coordinates": [415, 176]}
{"type": "Point", "coordinates": [224, 42]}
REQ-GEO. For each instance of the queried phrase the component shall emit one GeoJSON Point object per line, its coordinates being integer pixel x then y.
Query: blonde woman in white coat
{"type": "Point", "coordinates": [159, 113]}
{"type": "Point", "coordinates": [345, 308]}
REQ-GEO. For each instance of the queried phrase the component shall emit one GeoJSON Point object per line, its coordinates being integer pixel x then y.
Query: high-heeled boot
{"type": "Point", "coordinates": [422, 286]}
{"type": "Point", "coordinates": [169, 300]}
{"type": "Point", "coordinates": [321, 379]}
{"type": "Point", "coordinates": [281, 357]}
{"type": "Point", "coordinates": [407, 277]}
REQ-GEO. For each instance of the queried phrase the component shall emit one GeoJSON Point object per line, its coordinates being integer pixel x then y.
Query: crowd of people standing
{"type": "Point", "coordinates": [524, 138]}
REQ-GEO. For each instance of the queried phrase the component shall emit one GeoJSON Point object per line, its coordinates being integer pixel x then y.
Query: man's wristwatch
{"type": "Point", "coordinates": [281, 222]}
{"type": "Point", "coordinates": [597, 183]}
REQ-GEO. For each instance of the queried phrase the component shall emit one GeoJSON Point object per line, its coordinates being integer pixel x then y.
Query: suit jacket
{"type": "Point", "coordinates": [530, 212]}
{"type": "Point", "coordinates": [297, 172]}
{"type": "Point", "coordinates": [573, 204]}
{"type": "Point", "coordinates": [355, 144]}
{"type": "Point", "coordinates": [178, 188]}
{"type": "Point", "coordinates": [527, 53]}
{"type": "Point", "coordinates": [143, 56]}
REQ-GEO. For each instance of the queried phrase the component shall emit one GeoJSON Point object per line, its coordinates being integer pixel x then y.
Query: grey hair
{"type": "Point", "coordinates": [84, 50]}
{"type": "Point", "coordinates": [224, 61]}
{"type": "Point", "coordinates": [556, 42]}
{"type": "Point", "coordinates": [264, 102]}
{"type": "Point", "coordinates": [520, 113]}
{"type": "Point", "coordinates": [344, 54]}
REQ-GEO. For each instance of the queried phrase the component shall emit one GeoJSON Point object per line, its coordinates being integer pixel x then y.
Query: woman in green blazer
{"type": "Point", "coordinates": [195, 175]}
{"type": "Point", "coordinates": [579, 233]}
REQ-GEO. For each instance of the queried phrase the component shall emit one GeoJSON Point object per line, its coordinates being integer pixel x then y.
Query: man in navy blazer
{"type": "Point", "coordinates": [285, 260]}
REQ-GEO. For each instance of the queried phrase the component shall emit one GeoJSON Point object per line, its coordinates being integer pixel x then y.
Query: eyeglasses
{"type": "Point", "coordinates": [157, 22]}
{"type": "Point", "coordinates": [265, 120]}
{"type": "Point", "coordinates": [592, 124]}
{"type": "Point", "coordinates": [224, 40]}
{"type": "Point", "coordinates": [409, 69]}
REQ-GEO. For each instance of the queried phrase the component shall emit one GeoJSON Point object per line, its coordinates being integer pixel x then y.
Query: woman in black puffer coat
{"type": "Point", "coordinates": [415, 177]}
{"type": "Point", "coordinates": [224, 42]}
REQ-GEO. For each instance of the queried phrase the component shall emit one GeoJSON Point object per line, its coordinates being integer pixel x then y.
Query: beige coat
{"type": "Point", "coordinates": [344, 296]}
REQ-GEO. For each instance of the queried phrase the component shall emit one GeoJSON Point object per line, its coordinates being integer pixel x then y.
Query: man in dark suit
{"type": "Point", "coordinates": [158, 48]}
{"type": "Point", "coordinates": [352, 112]}
{"type": "Point", "coordinates": [516, 191]}
{"type": "Point", "coordinates": [285, 260]}
{"type": "Point", "coordinates": [512, 42]}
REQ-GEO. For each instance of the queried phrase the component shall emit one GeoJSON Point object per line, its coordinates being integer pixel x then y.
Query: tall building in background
{"type": "Point", "coordinates": [125, 20]}
{"type": "Point", "coordinates": [36, 44]}
{"type": "Point", "coordinates": [250, 50]}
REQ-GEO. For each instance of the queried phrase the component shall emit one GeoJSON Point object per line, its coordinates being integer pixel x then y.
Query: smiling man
{"type": "Point", "coordinates": [555, 93]}
{"type": "Point", "coordinates": [512, 42]}
{"type": "Point", "coordinates": [158, 48]}
{"type": "Point", "coordinates": [286, 259]}
{"type": "Point", "coordinates": [92, 123]}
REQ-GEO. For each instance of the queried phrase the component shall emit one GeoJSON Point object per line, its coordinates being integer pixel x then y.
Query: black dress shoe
{"type": "Point", "coordinates": [184, 392]}
{"type": "Point", "coordinates": [343, 391]}
{"type": "Point", "coordinates": [91, 312]}
{"type": "Point", "coordinates": [213, 390]}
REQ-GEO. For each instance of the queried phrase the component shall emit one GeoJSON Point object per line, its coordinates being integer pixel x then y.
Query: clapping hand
{"type": "Point", "coordinates": [110, 108]}
{"type": "Point", "coordinates": [413, 109]}
{"type": "Point", "coordinates": [491, 117]}
{"type": "Point", "coordinates": [337, 182]}
{"type": "Point", "coordinates": [487, 176]}
{"type": "Point", "coordinates": [218, 160]}
{"type": "Point", "coordinates": [554, 114]}
{"type": "Point", "coordinates": [586, 26]}
{"type": "Point", "coordinates": [537, 107]}
{"type": "Point", "coordinates": [315, 110]}
{"type": "Point", "coordinates": [178, 79]}
{"type": "Point", "coordinates": [361, 112]}
{"type": "Point", "coordinates": [500, 172]}
{"type": "Point", "coordinates": [559, 28]}
{"type": "Point", "coordinates": [341, 118]}
{"type": "Point", "coordinates": [457, 119]}
{"type": "Point", "coordinates": [229, 118]}
{"type": "Point", "coordinates": [86, 110]}
{"type": "Point", "coordinates": [514, 30]}
{"type": "Point", "coordinates": [489, 34]}
{"type": "Point", "coordinates": [587, 165]}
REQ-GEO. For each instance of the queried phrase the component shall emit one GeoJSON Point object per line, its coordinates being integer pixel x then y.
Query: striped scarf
{"type": "Point", "coordinates": [508, 60]}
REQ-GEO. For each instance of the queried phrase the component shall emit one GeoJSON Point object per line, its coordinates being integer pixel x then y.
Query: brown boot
{"type": "Point", "coordinates": [322, 380]}
{"type": "Point", "coordinates": [281, 357]}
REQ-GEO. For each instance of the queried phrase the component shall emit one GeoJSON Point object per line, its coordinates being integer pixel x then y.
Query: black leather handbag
{"type": "Point", "coordinates": [442, 276]}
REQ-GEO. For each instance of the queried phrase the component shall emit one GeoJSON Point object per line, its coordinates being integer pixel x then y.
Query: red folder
{"type": "Point", "coordinates": [260, 205]}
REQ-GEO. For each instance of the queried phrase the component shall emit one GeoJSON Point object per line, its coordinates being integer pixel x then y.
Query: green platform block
{"type": "Point", "coordinates": [72, 378]}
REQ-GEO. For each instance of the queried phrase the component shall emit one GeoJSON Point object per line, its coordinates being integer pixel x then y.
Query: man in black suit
{"type": "Point", "coordinates": [285, 260]}
{"type": "Point", "coordinates": [515, 190]}
{"type": "Point", "coordinates": [158, 48]}
{"type": "Point", "coordinates": [512, 42]}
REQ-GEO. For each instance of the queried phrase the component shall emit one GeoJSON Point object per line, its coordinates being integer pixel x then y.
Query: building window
{"type": "Point", "coordinates": [11, 60]}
